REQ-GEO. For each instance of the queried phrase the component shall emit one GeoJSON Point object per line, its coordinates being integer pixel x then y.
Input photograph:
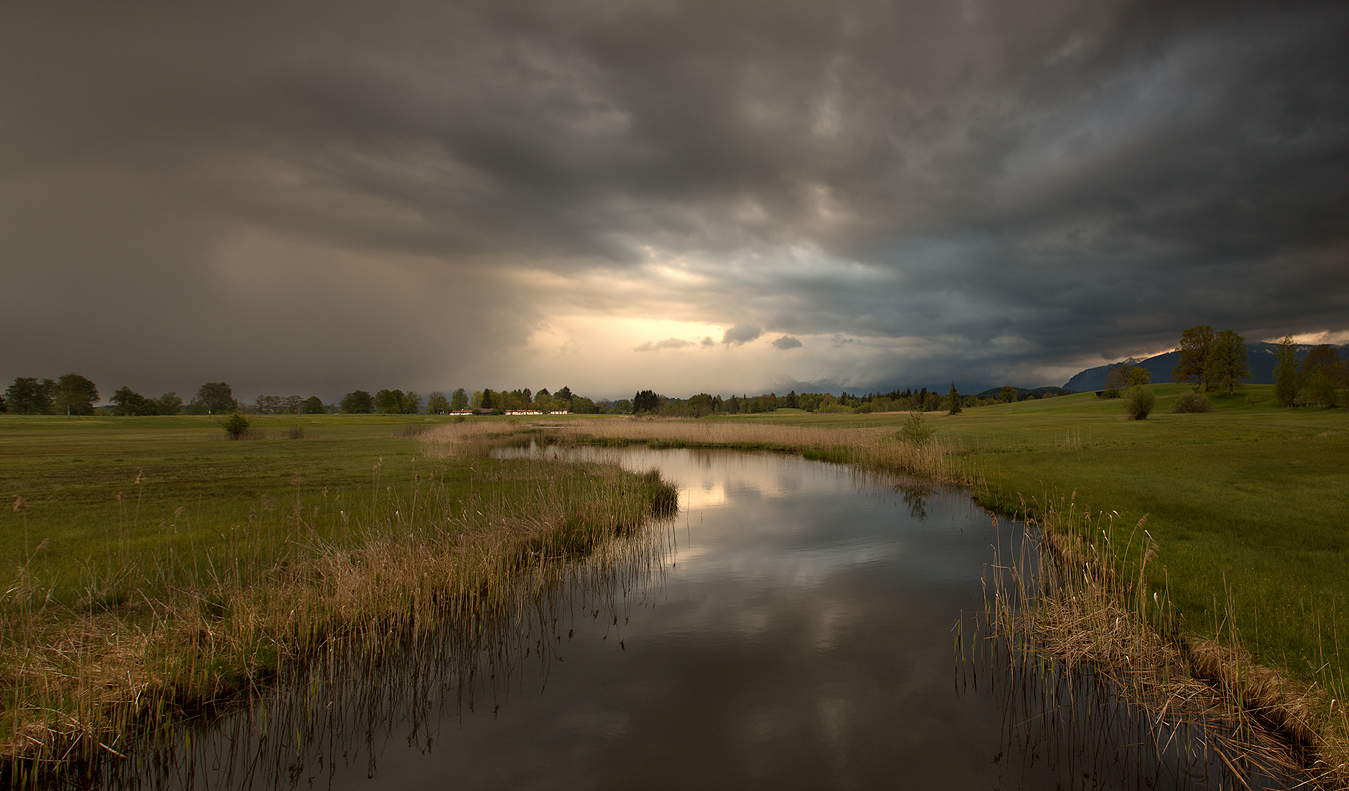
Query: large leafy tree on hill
{"type": "Point", "coordinates": [169, 404]}
{"type": "Point", "coordinates": [1195, 345]}
{"type": "Point", "coordinates": [1227, 362]}
{"type": "Point", "coordinates": [459, 400]}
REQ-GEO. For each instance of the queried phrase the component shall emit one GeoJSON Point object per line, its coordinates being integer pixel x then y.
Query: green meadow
{"type": "Point", "coordinates": [1248, 504]}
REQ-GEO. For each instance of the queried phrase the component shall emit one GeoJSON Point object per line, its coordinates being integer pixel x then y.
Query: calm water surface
{"type": "Point", "coordinates": [798, 634]}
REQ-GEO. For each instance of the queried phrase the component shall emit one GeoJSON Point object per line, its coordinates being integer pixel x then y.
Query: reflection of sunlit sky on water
{"type": "Point", "coordinates": [800, 636]}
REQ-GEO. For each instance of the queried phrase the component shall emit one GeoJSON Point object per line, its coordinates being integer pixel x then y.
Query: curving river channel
{"type": "Point", "coordinates": [798, 630]}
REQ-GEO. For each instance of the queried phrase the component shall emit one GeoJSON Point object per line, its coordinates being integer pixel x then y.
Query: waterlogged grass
{"type": "Point", "coordinates": [158, 568]}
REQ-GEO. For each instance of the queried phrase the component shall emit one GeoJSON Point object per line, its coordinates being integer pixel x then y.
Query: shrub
{"type": "Point", "coordinates": [1191, 401]}
{"type": "Point", "coordinates": [1140, 401]}
{"type": "Point", "coordinates": [915, 430]}
{"type": "Point", "coordinates": [296, 432]}
{"type": "Point", "coordinates": [236, 425]}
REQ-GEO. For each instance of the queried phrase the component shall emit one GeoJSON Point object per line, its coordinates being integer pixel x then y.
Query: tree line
{"type": "Point", "coordinates": [1217, 360]}
{"type": "Point", "coordinates": [73, 394]}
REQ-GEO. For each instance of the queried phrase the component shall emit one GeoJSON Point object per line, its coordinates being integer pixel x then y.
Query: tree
{"type": "Point", "coordinates": [1007, 394]}
{"type": "Point", "coordinates": [1227, 361]}
{"type": "Point", "coordinates": [389, 402]}
{"type": "Point", "coordinates": [1323, 372]}
{"type": "Point", "coordinates": [1135, 375]}
{"type": "Point", "coordinates": [644, 401]}
{"type": "Point", "coordinates": [127, 402]}
{"type": "Point", "coordinates": [954, 397]}
{"type": "Point", "coordinates": [236, 425]}
{"type": "Point", "coordinates": [169, 404]}
{"type": "Point", "coordinates": [358, 402]}
{"type": "Point", "coordinates": [74, 395]}
{"type": "Point", "coordinates": [437, 404]}
{"type": "Point", "coordinates": [489, 399]}
{"type": "Point", "coordinates": [313, 405]}
{"type": "Point", "coordinates": [1195, 344]}
{"type": "Point", "coordinates": [28, 396]}
{"type": "Point", "coordinates": [458, 400]}
{"type": "Point", "coordinates": [1116, 379]}
{"type": "Point", "coordinates": [1285, 372]}
{"type": "Point", "coordinates": [213, 398]}
{"type": "Point", "coordinates": [411, 403]}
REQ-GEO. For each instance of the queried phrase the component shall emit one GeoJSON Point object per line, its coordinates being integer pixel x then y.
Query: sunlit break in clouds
{"type": "Point", "coordinates": [683, 196]}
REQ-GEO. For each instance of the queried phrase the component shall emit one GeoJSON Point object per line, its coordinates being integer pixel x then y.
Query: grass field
{"type": "Point", "coordinates": [1248, 504]}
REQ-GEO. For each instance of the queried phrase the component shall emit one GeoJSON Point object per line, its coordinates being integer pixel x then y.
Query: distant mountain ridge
{"type": "Point", "coordinates": [1262, 359]}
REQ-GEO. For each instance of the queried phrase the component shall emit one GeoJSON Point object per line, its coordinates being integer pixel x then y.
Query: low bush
{"type": "Point", "coordinates": [1140, 402]}
{"type": "Point", "coordinates": [1191, 402]}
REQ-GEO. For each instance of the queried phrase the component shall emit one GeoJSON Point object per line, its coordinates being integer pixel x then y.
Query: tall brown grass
{"type": "Point", "coordinates": [1079, 595]}
{"type": "Point", "coordinates": [181, 630]}
{"type": "Point", "coordinates": [868, 448]}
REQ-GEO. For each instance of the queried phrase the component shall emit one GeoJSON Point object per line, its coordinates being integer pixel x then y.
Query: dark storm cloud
{"type": "Point", "coordinates": [316, 198]}
{"type": "Point", "coordinates": [787, 342]}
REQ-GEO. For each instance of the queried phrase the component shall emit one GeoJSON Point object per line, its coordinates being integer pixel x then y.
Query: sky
{"type": "Point", "coordinates": [686, 196]}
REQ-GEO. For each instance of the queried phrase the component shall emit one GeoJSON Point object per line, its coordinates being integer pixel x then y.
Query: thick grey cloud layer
{"type": "Point", "coordinates": [317, 198]}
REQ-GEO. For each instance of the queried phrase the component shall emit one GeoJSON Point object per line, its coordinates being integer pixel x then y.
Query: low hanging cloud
{"type": "Point", "coordinates": [740, 334]}
{"type": "Point", "coordinates": [787, 342]}
{"type": "Point", "coordinates": [668, 343]}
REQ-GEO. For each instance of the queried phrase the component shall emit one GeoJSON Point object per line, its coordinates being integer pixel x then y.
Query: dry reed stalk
{"type": "Point", "coordinates": [75, 684]}
{"type": "Point", "coordinates": [1079, 602]}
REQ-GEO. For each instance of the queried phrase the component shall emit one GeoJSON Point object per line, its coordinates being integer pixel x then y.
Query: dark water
{"type": "Point", "coordinates": [796, 630]}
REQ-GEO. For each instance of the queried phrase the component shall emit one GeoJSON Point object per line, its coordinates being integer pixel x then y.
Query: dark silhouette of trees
{"type": "Point", "coordinates": [954, 397]}
{"type": "Point", "coordinates": [358, 402]}
{"type": "Point", "coordinates": [1195, 345]}
{"type": "Point", "coordinates": [128, 403]}
{"type": "Point", "coordinates": [1227, 362]}
{"type": "Point", "coordinates": [169, 404]}
{"type": "Point", "coordinates": [645, 401]}
{"type": "Point", "coordinates": [313, 405]}
{"type": "Point", "coordinates": [74, 395]}
{"type": "Point", "coordinates": [213, 398]}
{"type": "Point", "coordinates": [458, 400]}
{"type": "Point", "coordinates": [28, 396]}
{"type": "Point", "coordinates": [1322, 375]}
{"type": "Point", "coordinates": [1285, 372]}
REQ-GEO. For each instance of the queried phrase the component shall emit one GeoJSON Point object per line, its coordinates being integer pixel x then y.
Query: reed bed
{"type": "Point", "coordinates": [167, 634]}
{"type": "Point", "coordinates": [875, 448]}
{"type": "Point", "coordinates": [1077, 597]}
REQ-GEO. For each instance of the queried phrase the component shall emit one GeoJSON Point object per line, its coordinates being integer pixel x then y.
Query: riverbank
{"type": "Point", "coordinates": [162, 571]}
{"type": "Point", "coordinates": [1245, 506]}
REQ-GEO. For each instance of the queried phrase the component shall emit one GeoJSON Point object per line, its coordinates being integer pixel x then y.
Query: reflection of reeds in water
{"type": "Point", "coordinates": [342, 710]}
{"type": "Point", "coordinates": [1085, 656]}
{"type": "Point", "coordinates": [191, 631]}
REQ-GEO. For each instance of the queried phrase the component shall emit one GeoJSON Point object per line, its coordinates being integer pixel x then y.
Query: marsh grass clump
{"type": "Point", "coordinates": [1191, 402]}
